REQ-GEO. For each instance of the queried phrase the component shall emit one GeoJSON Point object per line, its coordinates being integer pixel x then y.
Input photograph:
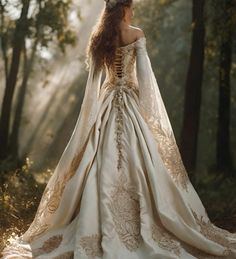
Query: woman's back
{"type": "Point", "coordinates": [129, 35]}
{"type": "Point", "coordinates": [123, 73]}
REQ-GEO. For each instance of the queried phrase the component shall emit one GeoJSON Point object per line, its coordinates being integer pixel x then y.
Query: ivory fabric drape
{"type": "Point", "coordinates": [49, 214]}
{"type": "Point", "coordinates": [120, 189]}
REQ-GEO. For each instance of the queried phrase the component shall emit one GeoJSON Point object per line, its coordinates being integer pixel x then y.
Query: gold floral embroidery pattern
{"type": "Point", "coordinates": [124, 203]}
{"type": "Point", "coordinates": [118, 102]}
{"type": "Point", "coordinates": [120, 80]}
{"type": "Point", "coordinates": [51, 199]}
{"type": "Point", "coordinates": [52, 196]}
{"type": "Point", "coordinates": [36, 229]}
{"type": "Point", "coordinates": [172, 160]}
{"type": "Point", "coordinates": [55, 199]}
{"type": "Point", "coordinates": [123, 84]}
{"type": "Point", "coordinates": [92, 245]}
{"type": "Point", "coordinates": [170, 155]}
{"type": "Point", "coordinates": [156, 118]}
{"type": "Point", "coordinates": [165, 239]}
{"type": "Point", "coordinates": [125, 209]}
{"type": "Point", "coordinates": [49, 245]}
{"type": "Point", "coordinates": [67, 255]}
{"type": "Point", "coordinates": [198, 253]}
{"type": "Point", "coordinates": [203, 255]}
{"type": "Point", "coordinates": [214, 233]}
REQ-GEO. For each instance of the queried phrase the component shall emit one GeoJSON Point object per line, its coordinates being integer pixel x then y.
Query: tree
{"type": "Point", "coordinates": [11, 75]}
{"type": "Point", "coordinates": [225, 34]}
{"type": "Point", "coordinates": [192, 104]}
{"type": "Point", "coordinates": [46, 24]}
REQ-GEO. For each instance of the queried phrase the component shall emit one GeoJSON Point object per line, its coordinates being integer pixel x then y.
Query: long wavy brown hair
{"type": "Point", "coordinates": [105, 35]}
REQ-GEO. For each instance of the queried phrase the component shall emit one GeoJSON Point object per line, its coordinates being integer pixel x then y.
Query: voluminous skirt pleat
{"type": "Point", "coordinates": [124, 202]}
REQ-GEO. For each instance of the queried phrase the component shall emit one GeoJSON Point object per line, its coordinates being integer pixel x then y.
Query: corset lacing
{"type": "Point", "coordinates": [122, 75]}
{"type": "Point", "coordinates": [120, 79]}
{"type": "Point", "coordinates": [119, 69]}
{"type": "Point", "coordinates": [120, 84]}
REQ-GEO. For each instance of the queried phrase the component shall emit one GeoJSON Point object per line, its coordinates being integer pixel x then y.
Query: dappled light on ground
{"type": "Point", "coordinates": [20, 194]}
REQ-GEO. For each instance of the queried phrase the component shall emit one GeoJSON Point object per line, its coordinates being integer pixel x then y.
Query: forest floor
{"type": "Point", "coordinates": [21, 191]}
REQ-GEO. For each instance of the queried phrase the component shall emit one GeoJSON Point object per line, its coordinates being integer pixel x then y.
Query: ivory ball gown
{"type": "Point", "coordinates": [120, 189]}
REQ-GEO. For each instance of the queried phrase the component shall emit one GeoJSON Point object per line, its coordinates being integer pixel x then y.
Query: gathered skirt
{"type": "Point", "coordinates": [123, 203]}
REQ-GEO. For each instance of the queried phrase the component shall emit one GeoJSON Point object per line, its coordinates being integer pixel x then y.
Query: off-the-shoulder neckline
{"type": "Point", "coordinates": [134, 42]}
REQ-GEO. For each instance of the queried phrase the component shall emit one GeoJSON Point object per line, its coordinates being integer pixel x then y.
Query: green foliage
{"type": "Point", "coordinates": [47, 22]}
{"type": "Point", "coordinates": [52, 20]}
{"type": "Point", "coordinates": [27, 26]}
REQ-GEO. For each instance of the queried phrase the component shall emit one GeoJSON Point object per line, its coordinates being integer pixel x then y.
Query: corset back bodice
{"type": "Point", "coordinates": [122, 74]}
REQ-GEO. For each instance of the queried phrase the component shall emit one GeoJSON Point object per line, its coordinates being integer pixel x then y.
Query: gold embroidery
{"type": "Point", "coordinates": [125, 209]}
{"type": "Point", "coordinates": [170, 154]}
{"type": "Point", "coordinates": [156, 118]}
{"type": "Point", "coordinates": [166, 144]}
{"type": "Point", "coordinates": [122, 75]}
{"type": "Point", "coordinates": [126, 86]}
{"type": "Point", "coordinates": [49, 245]}
{"type": "Point", "coordinates": [51, 199]}
{"type": "Point", "coordinates": [124, 203]}
{"type": "Point", "coordinates": [92, 245]}
{"type": "Point", "coordinates": [35, 229]}
{"type": "Point", "coordinates": [165, 239]}
{"type": "Point", "coordinates": [55, 198]}
{"type": "Point", "coordinates": [198, 253]}
{"type": "Point", "coordinates": [118, 102]}
{"type": "Point", "coordinates": [214, 233]}
{"type": "Point", "coordinates": [203, 255]}
{"type": "Point", "coordinates": [67, 255]}
{"type": "Point", "coordinates": [52, 196]}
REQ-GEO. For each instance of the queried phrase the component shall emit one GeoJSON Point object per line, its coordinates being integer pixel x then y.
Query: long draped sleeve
{"type": "Point", "coordinates": [191, 216]}
{"type": "Point", "coordinates": [154, 112]}
{"type": "Point", "coordinates": [48, 214]}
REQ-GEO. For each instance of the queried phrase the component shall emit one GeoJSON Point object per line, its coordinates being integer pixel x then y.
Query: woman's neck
{"type": "Point", "coordinates": [124, 25]}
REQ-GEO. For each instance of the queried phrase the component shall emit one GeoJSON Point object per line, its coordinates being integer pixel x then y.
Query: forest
{"type": "Point", "coordinates": [192, 48]}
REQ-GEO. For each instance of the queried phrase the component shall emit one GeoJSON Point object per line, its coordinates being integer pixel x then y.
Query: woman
{"type": "Point", "coordinates": [120, 189]}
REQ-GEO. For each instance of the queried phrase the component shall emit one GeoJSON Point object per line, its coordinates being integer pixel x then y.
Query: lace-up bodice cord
{"type": "Point", "coordinates": [122, 74]}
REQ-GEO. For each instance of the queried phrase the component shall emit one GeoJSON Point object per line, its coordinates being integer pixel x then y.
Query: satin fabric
{"type": "Point", "coordinates": [122, 190]}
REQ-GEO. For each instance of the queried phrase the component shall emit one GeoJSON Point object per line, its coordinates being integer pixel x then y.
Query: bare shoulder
{"type": "Point", "coordinates": [138, 32]}
{"type": "Point", "coordinates": [131, 34]}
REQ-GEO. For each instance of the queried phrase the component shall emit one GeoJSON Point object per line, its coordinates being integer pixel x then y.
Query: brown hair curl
{"type": "Point", "coordinates": [105, 35]}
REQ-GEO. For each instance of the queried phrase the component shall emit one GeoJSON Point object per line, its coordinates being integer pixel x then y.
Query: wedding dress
{"type": "Point", "coordinates": [120, 189]}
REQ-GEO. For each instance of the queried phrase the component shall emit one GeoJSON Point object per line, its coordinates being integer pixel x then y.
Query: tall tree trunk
{"type": "Point", "coordinates": [192, 104]}
{"type": "Point", "coordinates": [18, 42]}
{"type": "Point", "coordinates": [3, 40]}
{"type": "Point", "coordinates": [223, 156]}
{"type": "Point", "coordinates": [28, 63]}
